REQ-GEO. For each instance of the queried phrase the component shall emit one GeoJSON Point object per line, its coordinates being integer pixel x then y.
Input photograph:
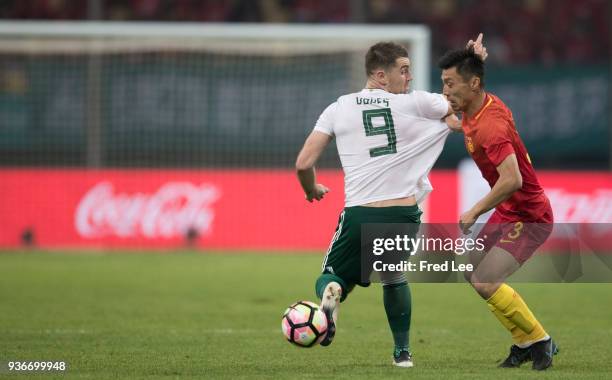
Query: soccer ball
{"type": "Point", "coordinates": [304, 324]}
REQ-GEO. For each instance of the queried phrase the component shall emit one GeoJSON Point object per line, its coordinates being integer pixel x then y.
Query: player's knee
{"type": "Point", "coordinates": [485, 289]}
{"type": "Point", "coordinates": [479, 287]}
{"type": "Point", "coordinates": [393, 278]}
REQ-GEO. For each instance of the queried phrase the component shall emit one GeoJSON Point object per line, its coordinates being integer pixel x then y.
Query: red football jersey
{"type": "Point", "coordinates": [490, 137]}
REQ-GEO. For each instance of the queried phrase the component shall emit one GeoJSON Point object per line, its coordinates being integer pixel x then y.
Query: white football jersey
{"type": "Point", "coordinates": [387, 142]}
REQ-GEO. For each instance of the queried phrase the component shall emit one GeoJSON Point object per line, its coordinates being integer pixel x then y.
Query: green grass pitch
{"type": "Point", "coordinates": [214, 316]}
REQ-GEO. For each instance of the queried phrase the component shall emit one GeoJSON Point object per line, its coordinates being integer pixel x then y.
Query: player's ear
{"type": "Point", "coordinates": [381, 76]}
{"type": "Point", "coordinates": [475, 83]}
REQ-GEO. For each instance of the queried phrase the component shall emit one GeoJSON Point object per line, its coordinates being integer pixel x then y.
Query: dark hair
{"type": "Point", "coordinates": [383, 55]}
{"type": "Point", "coordinates": [466, 62]}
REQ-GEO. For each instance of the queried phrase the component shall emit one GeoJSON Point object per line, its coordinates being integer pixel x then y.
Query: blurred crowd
{"type": "Point", "coordinates": [544, 32]}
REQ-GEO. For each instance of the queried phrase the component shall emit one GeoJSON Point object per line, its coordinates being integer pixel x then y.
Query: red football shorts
{"type": "Point", "coordinates": [519, 238]}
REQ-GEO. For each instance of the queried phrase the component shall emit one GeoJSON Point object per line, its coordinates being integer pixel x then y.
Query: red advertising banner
{"type": "Point", "coordinates": [165, 209]}
{"type": "Point", "coordinates": [579, 197]}
{"type": "Point", "coordinates": [222, 209]}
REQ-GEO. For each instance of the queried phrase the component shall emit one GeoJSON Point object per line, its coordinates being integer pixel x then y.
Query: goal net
{"type": "Point", "coordinates": [178, 95]}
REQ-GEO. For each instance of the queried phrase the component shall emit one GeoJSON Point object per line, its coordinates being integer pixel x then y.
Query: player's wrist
{"type": "Point", "coordinates": [476, 211]}
{"type": "Point", "coordinates": [311, 194]}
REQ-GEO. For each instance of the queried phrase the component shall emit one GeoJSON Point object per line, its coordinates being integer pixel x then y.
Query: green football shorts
{"type": "Point", "coordinates": [343, 259]}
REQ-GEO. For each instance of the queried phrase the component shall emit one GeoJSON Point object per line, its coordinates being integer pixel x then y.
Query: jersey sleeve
{"type": "Point", "coordinates": [497, 145]}
{"type": "Point", "coordinates": [431, 106]}
{"type": "Point", "coordinates": [326, 121]}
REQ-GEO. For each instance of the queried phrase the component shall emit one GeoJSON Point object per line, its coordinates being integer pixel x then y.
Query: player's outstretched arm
{"type": "Point", "coordinates": [478, 47]}
{"type": "Point", "coordinates": [304, 165]}
{"type": "Point", "coordinates": [451, 119]}
{"type": "Point", "coordinates": [509, 181]}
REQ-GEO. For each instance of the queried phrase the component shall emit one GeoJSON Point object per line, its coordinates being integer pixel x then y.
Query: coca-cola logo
{"type": "Point", "coordinates": [595, 207]}
{"type": "Point", "coordinates": [174, 210]}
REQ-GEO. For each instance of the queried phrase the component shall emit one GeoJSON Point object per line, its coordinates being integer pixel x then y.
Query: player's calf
{"type": "Point", "coordinates": [484, 289]}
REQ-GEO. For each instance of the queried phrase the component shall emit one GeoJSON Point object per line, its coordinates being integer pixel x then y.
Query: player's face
{"type": "Point", "coordinates": [456, 90]}
{"type": "Point", "coordinates": [399, 76]}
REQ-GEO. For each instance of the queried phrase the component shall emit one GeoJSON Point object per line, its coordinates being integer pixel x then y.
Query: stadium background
{"type": "Point", "coordinates": [216, 135]}
{"type": "Point", "coordinates": [192, 154]}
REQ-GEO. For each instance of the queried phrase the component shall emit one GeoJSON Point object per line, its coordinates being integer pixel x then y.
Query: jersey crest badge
{"type": "Point", "coordinates": [469, 144]}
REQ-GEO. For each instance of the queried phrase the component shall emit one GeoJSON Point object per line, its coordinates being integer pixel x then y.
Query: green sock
{"type": "Point", "coordinates": [398, 306]}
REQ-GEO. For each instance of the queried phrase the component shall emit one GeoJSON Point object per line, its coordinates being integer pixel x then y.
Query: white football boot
{"type": "Point", "coordinates": [330, 303]}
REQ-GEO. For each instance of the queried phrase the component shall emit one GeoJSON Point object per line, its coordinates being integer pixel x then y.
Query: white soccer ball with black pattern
{"type": "Point", "coordinates": [304, 324]}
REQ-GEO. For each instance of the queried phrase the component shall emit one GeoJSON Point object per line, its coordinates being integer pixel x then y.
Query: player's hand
{"type": "Point", "coordinates": [478, 47]}
{"type": "Point", "coordinates": [453, 122]}
{"type": "Point", "coordinates": [466, 221]}
{"type": "Point", "coordinates": [318, 193]}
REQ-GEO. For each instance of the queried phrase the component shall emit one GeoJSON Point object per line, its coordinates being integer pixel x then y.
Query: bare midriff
{"type": "Point", "coordinates": [406, 201]}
